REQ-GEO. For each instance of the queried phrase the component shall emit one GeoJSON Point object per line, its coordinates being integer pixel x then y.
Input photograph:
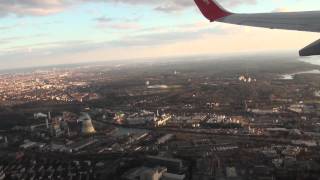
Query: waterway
{"type": "Point", "coordinates": [315, 60]}
{"type": "Point", "coordinates": [291, 76]}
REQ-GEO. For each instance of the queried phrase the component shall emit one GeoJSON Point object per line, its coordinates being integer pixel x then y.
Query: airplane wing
{"type": "Point", "coordinates": [300, 21]}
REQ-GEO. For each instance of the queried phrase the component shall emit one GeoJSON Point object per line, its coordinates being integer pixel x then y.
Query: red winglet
{"type": "Point", "coordinates": [211, 10]}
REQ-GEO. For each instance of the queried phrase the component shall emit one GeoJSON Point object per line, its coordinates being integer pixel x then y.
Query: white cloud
{"type": "Point", "coordinates": [47, 7]}
{"type": "Point", "coordinates": [32, 7]}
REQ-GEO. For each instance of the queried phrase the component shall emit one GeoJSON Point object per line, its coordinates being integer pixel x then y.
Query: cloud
{"type": "Point", "coordinates": [119, 24]}
{"type": "Point", "coordinates": [5, 28]}
{"type": "Point", "coordinates": [174, 5]}
{"type": "Point", "coordinates": [193, 41]}
{"type": "Point", "coordinates": [281, 10]}
{"type": "Point", "coordinates": [233, 3]}
{"type": "Point", "coordinates": [48, 7]}
{"type": "Point", "coordinates": [32, 7]}
{"type": "Point", "coordinates": [151, 39]}
{"type": "Point", "coordinates": [103, 19]}
{"type": "Point", "coordinates": [178, 5]}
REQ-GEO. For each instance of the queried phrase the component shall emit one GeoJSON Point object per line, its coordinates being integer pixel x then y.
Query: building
{"type": "Point", "coordinates": [152, 174]}
{"type": "Point", "coordinates": [87, 126]}
{"type": "Point", "coordinates": [77, 146]}
{"type": "Point", "coordinates": [165, 138]}
{"type": "Point", "coordinates": [161, 120]}
{"type": "Point", "coordinates": [55, 129]}
{"type": "Point", "coordinates": [141, 118]}
{"type": "Point", "coordinates": [146, 173]}
{"type": "Point", "coordinates": [173, 165]}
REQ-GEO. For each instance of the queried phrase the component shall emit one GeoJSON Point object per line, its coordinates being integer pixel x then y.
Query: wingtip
{"type": "Point", "coordinates": [311, 50]}
{"type": "Point", "coordinates": [211, 9]}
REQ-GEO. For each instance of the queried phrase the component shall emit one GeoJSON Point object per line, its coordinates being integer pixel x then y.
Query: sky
{"type": "Point", "coordinates": [45, 32]}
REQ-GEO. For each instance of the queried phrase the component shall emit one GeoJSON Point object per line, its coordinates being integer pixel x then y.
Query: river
{"type": "Point", "coordinates": [291, 76]}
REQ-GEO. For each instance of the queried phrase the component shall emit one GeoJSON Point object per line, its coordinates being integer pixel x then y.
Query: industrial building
{"type": "Point", "coordinates": [157, 173]}
{"type": "Point", "coordinates": [87, 126]}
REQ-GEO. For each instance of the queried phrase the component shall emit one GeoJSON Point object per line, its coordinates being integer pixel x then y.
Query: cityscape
{"type": "Point", "coordinates": [159, 90]}
{"type": "Point", "coordinates": [195, 118]}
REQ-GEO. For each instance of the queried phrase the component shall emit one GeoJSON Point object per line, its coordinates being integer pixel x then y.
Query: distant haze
{"type": "Point", "coordinates": [240, 58]}
{"type": "Point", "coordinates": [45, 32]}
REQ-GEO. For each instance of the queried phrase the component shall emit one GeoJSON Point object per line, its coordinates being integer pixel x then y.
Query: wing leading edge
{"type": "Point", "coordinates": [300, 21]}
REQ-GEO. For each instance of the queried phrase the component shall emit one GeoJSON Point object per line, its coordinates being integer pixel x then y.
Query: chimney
{"type": "Point", "coordinates": [49, 116]}
{"type": "Point", "coordinates": [47, 123]}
